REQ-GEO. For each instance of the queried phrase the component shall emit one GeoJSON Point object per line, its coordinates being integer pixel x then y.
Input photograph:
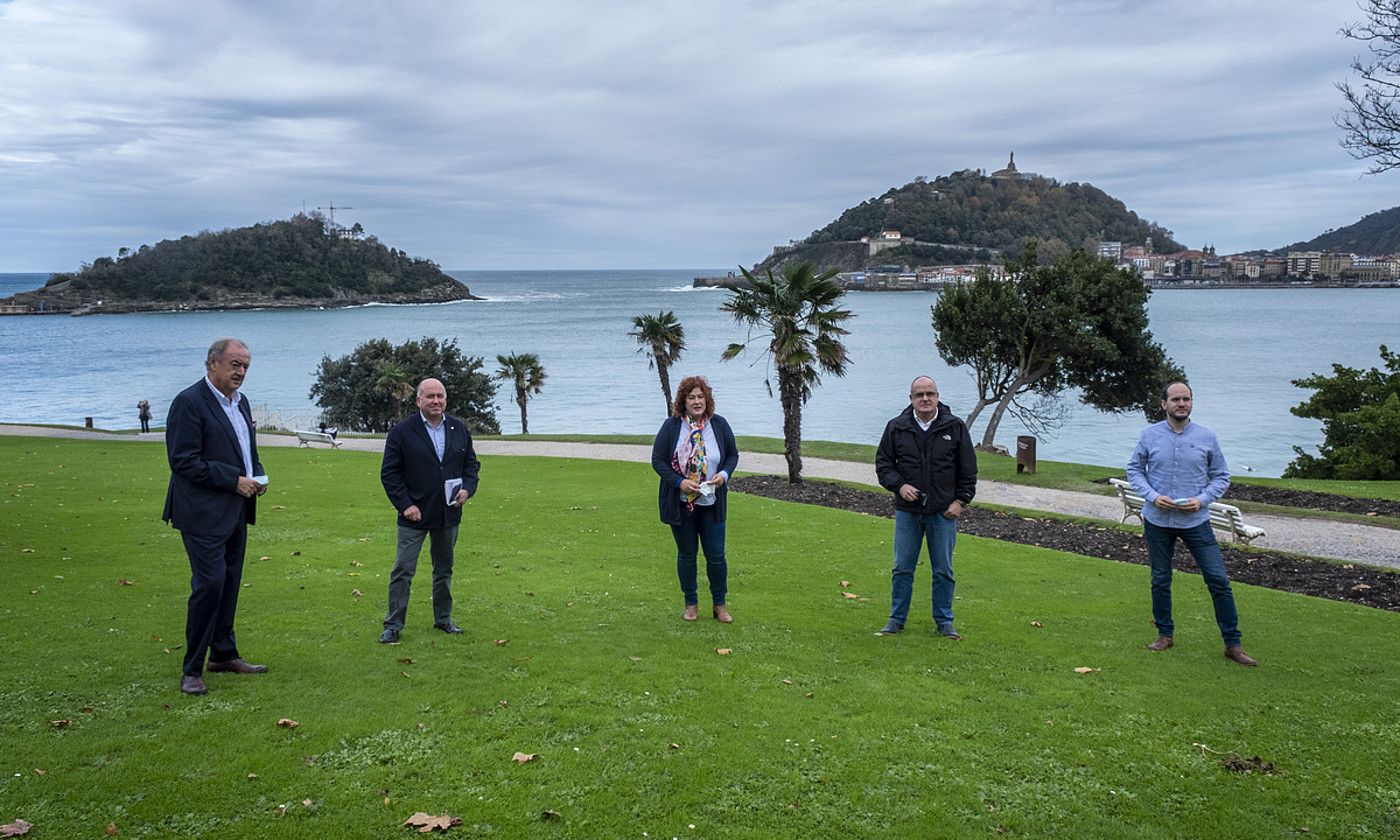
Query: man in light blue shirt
{"type": "Point", "coordinates": [1179, 470]}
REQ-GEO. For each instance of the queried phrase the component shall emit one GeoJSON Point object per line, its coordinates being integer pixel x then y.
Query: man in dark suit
{"type": "Point", "coordinates": [430, 469]}
{"type": "Point", "coordinates": [215, 479]}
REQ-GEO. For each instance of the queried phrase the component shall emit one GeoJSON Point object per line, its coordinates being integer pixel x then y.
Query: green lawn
{"type": "Point", "coordinates": [640, 728]}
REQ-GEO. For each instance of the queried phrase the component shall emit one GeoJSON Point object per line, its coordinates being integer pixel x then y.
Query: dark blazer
{"type": "Point", "coordinates": [664, 448]}
{"type": "Point", "coordinates": [943, 466]}
{"type": "Point", "coordinates": [205, 463]}
{"type": "Point", "coordinates": [412, 474]}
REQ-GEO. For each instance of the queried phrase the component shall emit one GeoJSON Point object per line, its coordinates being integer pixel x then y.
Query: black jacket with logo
{"type": "Point", "coordinates": [944, 469]}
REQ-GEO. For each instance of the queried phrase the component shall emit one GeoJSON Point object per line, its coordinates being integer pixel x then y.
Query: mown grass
{"type": "Point", "coordinates": [640, 727]}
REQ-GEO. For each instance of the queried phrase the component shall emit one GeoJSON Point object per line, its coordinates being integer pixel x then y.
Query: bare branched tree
{"type": "Point", "coordinates": [1371, 123]}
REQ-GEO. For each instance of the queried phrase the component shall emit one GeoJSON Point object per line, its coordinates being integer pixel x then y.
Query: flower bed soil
{"type": "Point", "coordinates": [1340, 582]}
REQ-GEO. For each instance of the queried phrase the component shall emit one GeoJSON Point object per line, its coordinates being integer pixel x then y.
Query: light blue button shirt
{"type": "Point", "coordinates": [1184, 464]}
{"type": "Point", "coordinates": [240, 426]}
{"type": "Point", "coordinates": [437, 434]}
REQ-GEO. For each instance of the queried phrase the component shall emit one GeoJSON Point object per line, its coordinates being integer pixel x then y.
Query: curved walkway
{"type": "Point", "coordinates": [1346, 541]}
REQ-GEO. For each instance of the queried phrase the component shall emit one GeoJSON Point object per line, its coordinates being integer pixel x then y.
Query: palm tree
{"type": "Point", "coordinates": [663, 337]}
{"type": "Point", "coordinates": [799, 312]}
{"type": "Point", "coordinates": [394, 382]}
{"type": "Point", "coordinates": [528, 376]}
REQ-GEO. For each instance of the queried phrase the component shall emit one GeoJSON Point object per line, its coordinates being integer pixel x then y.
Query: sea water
{"type": "Point", "coordinates": [1241, 349]}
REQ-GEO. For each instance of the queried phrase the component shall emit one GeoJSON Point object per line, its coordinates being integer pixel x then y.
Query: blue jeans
{"type": "Point", "coordinates": [911, 530]}
{"type": "Point", "coordinates": [1200, 540]}
{"type": "Point", "coordinates": [703, 527]}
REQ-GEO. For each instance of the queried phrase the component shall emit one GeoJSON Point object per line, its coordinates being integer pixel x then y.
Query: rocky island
{"type": "Point", "coordinates": [304, 262]}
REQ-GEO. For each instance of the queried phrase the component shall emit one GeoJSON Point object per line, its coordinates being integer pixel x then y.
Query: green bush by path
{"type": "Point", "coordinates": [565, 561]}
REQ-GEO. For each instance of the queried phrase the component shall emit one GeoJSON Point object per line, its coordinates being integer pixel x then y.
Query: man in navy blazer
{"type": "Point", "coordinates": [215, 479]}
{"type": "Point", "coordinates": [429, 471]}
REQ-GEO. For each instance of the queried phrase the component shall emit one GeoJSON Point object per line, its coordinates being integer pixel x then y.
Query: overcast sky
{"type": "Point", "coordinates": [655, 134]}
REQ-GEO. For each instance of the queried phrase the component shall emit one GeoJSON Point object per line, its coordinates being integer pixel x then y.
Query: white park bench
{"type": "Point", "coordinates": [1223, 517]}
{"type": "Point", "coordinates": [308, 438]}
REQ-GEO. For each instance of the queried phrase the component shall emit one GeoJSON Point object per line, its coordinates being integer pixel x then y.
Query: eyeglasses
{"type": "Point", "coordinates": [924, 395]}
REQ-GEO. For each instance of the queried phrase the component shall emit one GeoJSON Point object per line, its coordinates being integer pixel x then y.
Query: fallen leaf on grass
{"type": "Point", "coordinates": [521, 758]}
{"type": "Point", "coordinates": [808, 695]}
{"type": "Point", "coordinates": [407, 660]}
{"type": "Point", "coordinates": [724, 651]}
{"type": "Point", "coordinates": [26, 551]}
{"type": "Point", "coordinates": [288, 723]}
{"type": "Point", "coordinates": [280, 810]}
{"type": "Point", "coordinates": [279, 507]}
{"type": "Point", "coordinates": [61, 724]}
{"type": "Point", "coordinates": [356, 593]}
{"type": "Point", "coordinates": [787, 682]}
{"type": "Point", "coordinates": [427, 822]}
{"type": "Point", "coordinates": [1082, 669]}
{"type": "Point", "coordinates": [123, 582]}
{"type": "Point", "coordinates": [845, 584]}
{"type": "Point", "coordinates": [674, 745]}
{"type": "Point", "coordinates": [501, 642]}
{"type": "Point", "coordinates": [111, 829]}
{"type": "Point", "coordinates": [39, 771]}
{"type": "Point", "coordinates": [15, 829]}
{"type": "Point", "coordinates": [635, 658]}
{"type": "Point", "coordinates": [403, 674]}
{"type": "Point", "coordinates": [252, 775]}
{"type": "Point", "coordinates": [352, 574]}
{"type": "Point", "coordinates": [306, 803]}
{"type": "Point", "coordinates": [850, 596]}
{"type": "Point", "coordinates": [264, 558]}
{"type": "Point", "coordinates": [296, 553]}
{"type": "Point", "coordinates": [357, 564]}
{"type": "Point", "coordinates": [1256, 764]}
{"type": "Point", "coordinates": [1036, 624]}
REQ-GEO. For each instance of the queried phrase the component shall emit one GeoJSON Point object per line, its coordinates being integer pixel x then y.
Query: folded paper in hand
{"type": "Point", "coordinates": [450, 488]}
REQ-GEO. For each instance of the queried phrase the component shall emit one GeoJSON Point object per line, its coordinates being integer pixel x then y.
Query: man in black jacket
{"type": "Point", "coordinates": [430, 469]}
{"type": "Point", "coordinates": [925, 458]}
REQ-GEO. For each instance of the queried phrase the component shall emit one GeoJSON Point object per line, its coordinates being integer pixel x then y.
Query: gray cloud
{"type": "Point", "coordinates": [654, 134]}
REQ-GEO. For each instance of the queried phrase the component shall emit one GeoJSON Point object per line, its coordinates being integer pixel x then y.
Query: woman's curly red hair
{"type": "Point", "coordinates": [690, 383]}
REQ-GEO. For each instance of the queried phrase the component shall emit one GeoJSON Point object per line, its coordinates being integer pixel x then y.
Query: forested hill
{"type": "Point", "coordinates": [302, 261]}
{"type": "Point", "coordinates": [968, 216]}
{"type": "Point", "coordinates": [1373, 236]}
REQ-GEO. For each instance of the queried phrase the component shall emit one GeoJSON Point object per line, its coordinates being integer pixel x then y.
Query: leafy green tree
{"type": "Point", "coordinates": [1077, 323]}
{"type": "Point", "coordinates": [1371, 122]}
{"type": "Point", "coordinates": [370, 388]}
{"type": "Point", "coordinates": [799, 315]}
{"type": "Point", "coordinates": [1360, 414]}
{"type": "Point", "coordinates": [525, 372]}
{"type": "Point", "coordinates": [662, 337]}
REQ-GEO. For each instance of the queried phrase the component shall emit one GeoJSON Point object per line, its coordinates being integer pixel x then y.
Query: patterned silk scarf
{"type": "Point", "coordinates": [690, 460]}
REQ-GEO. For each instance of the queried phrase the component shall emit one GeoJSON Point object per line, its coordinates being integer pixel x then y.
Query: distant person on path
{"type": "Point", "coordinates": [695, 454]}
{"type": "Point", "coordinates": [1178, 469]}
{"type": "Point", "coordinates": [143, 411]}
{"type": "Point", "coordinates": [215, 479]}
{"type": "Point", "coordinates": [925, 458]}
{"type": "Point", "coordinates": [429, 471]}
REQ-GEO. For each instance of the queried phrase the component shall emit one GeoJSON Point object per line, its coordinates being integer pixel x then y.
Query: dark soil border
{"type": "Point", "coordinates": [1338, 581]}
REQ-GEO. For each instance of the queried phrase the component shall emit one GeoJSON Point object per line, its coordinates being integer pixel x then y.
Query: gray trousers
{"type": "Point", "coordinates": [406, 563]}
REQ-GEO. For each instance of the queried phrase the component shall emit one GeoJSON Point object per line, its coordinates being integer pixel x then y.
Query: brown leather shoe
{"type": "Point", "coordinates": [1162, 643]}
{"type": "Point", "coordinates": [236, 666]}
{"type": "Point", "coordinates": [1237, 654]}
{"type": "Point", "coordinates": [722, 615]}
{"type": "Point", "coordinates": [692, 612]}
{"type": "Point", "coordinates": [192, 685]}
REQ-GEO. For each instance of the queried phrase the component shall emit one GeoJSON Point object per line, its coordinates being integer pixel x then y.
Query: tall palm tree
{"type": "Point", "coordinates": [527, 374]}
{"type": "Point", "coordinates": [798, 311]}
{"type": "Point", "coordinates": [663, 337]}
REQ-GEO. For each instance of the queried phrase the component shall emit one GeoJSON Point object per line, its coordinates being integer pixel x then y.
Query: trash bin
{"type": "Point", "coordinates": [1025, 454]}
{"type": "Point", "coordinates": [87, 422]}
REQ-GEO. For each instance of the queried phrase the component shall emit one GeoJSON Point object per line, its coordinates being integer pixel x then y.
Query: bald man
{"type": "Point", "coordinates": [429, 471]}
{"type": "Point", "coordinates": [925, 458]}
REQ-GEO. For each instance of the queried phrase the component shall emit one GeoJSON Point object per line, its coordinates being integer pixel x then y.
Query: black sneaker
{"type": "Point", "coordinates": [947, 632]}
{"type": "Point", "coordinates": [389, 636]}
{"type": "Point", "coordinates": [890, 628]}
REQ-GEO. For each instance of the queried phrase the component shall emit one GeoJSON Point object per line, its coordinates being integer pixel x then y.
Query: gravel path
{"type": "Point", "coordinates": [1367, 544]}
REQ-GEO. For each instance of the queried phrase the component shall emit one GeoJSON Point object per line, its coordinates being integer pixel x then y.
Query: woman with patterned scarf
{"type": "Point", "coordinates": [695, 454]}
